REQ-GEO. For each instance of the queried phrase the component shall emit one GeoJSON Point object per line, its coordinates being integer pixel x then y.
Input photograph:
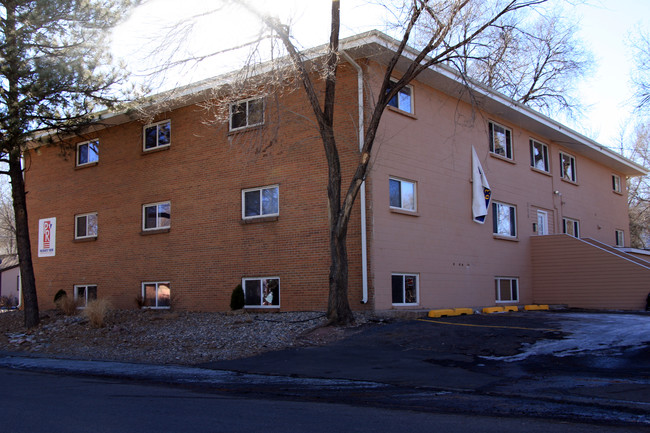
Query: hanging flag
{"type": "Point", "coordinates": [481, 192]}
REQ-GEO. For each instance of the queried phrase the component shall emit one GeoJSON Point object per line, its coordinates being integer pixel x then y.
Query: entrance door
{"type": "Point", "coordinates": [542, 222]}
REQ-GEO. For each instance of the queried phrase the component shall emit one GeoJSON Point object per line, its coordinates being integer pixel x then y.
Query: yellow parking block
{"type": "Point", "coordinates": [463, 311]}
{"type": "Point", "coordinates": [509, 308]}
{"type": "Point", "coordinates": [443, 313]}
{"type": "Point", "coordinates": [490, 310]}
{"type": "Point", "coordinates": [535, 307]}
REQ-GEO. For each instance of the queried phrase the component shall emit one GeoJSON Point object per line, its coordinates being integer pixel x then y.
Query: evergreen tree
{"type": "Point", "coordinates": [55, 71]}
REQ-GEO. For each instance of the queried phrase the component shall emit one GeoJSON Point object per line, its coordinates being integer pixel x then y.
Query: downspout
{"type": "Point", "coordinates": [362, 191]}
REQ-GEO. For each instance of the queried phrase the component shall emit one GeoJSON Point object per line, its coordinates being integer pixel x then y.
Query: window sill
{"type": "Point", "coordinates": [259, 220]}
{"type": "Point", "coordinates": [537, 170]}
{"type": "Point", "coordinates": [617, 192]}
{"type": "Point", "coordinates": [82, 166]}
{"type": "Point", "coordinates": [506, 238]}
{"type": "Point", "coordinates": [261, 307]}
{"type": "Point", "coordinates": [502, 158]}
{"type": "Point", "coordinates": [405, 212]}
{"type": "Point", "coordinates": [154, 231]}
{"type": "Point", "coordinates": [405, 305]}
{"type": "Point", "coordinates": [569, 181]}
{"type": "Point", "coordinates": [402, 112]}
{"type": "Point", "coordinates": [88, 239]}
{"type": "Point", "coordinates": [156, 149]}
{"type": "Point", "coordinates": [245, 129]}
{"type": "Point", "coordinates": [155, 308]}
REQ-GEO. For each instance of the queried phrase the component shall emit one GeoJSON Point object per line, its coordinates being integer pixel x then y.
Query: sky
{"type": "Point", "coordinates": [605, 28]}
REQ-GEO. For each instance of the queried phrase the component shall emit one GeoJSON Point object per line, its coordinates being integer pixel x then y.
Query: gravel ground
{"type": "Point", "coordinates": [169, 337]}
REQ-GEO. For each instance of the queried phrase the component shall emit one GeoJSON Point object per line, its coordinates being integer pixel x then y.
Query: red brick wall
{"type": "Point", "coordinates": [208, 250]}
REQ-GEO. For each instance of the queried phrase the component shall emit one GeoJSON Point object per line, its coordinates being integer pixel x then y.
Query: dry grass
{"type": "Point", "coordinates": [96, 312]}
{"type": "Point", "coordinates": [67, 305]}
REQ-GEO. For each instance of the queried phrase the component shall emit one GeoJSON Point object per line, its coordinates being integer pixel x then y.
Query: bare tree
{"type": "Point", "coordinates": [55, 72]}
{"type": "Point", "coordinates": [536, 60]}
{"type": "Point", "coordinates": [638, 150]}
{"type": "Point", "coordinates": [431, 33]}
{"type": "Point", "coordinates": [640, 75]}
{"type": "Point", "coordinates": [7, 223]}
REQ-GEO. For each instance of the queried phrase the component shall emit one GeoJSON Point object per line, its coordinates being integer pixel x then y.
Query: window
{"type": "Point", "coordinates": [244, 114]}
{"type": "Point", "coordinates": [156, 295]}
{"type": "Point", "coordinates": [405, 289]}
{"type": "Point", "coordinates": [616, 183]}
{"type": "Point", "coordinates": [156, 216]}
{"type": "Point", "coordinates": [539, 156]}
{"type": "Point", "coordinates": [571, 227]}
{"type": "Point", "coordinates": [87, 153]}
{"type": "Point", "coordinates": [402, 194]}
{"type": "Point", "coordinates": [85, 226]}
{"type": "Point", "coordinates": [500, 140]}
{"type": "Point", "coordinates": [260, 202]}
{"type": "Point", "coordinates": [403, 101]}
{"type": "Point", "coordinates": [504, 219]}
{"type": "Point", "coordinates": [620, 238]}
{"type": "Point", "coordinates": [262, 292]}
{"type": "Point", "coordinates": [506, 289]}
{"type": "Point", "coordinates": [84, 294]}
{"type": "Point", "coordinates": [158, 135]}
{"type": "Point", "coordinates": [568, 167]}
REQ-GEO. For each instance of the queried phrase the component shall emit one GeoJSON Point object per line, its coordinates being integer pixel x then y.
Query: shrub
{"type": "Point", "coordinates": [237, 300]}
{"type": "Point", "coordinates": [139, 301]}
{"type": "Point", "coordinates": [60, 294]}
{"type": "Point", "coordinates": [66, 305]}
{"type": "Point", "coordinates": [96, 312]}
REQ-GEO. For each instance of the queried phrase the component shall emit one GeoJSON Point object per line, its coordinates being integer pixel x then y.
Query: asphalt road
{"type": "Point", "coordinates": [37, 402]}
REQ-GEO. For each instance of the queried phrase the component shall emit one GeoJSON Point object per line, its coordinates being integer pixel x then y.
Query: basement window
{"type": "Point", "coordinates": [261, 292]}
{"type": "Point", "coordinates": [506, 289]}
{"type": "Point", "coordinates": [156, 295]}
{"type": "Point", "coordinates": [84, 294]}
{"type": "Point", "coordinates": [405, 289]}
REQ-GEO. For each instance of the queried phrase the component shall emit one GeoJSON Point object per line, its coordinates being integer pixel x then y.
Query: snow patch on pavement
{"type": "Point", "coordinates": [596, 334]}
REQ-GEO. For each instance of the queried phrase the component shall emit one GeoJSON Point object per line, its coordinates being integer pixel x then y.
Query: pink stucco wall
{"type": "Point", "coordinates": [457, 259]}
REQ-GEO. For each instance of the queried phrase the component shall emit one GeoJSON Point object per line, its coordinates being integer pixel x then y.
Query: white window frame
{"type": "Point", "coordinates": [157, 126]}
{"type": "Point", "coordinates": [261, 190]}
{"type": "Point", "coordinates": [85, 299]}
{"type": "Point", "coordinates": [620, 238]}
{"type": "Point", "coordinates": [572, 163]}
{"type": "Point", "coordinates": [248, 123]}
{"type": "Point", "coordinates": [576, 226]}
{"type": "Point", "coordinates": [399, 104]}
{"type": "Point", "coordinates": [158, 217]}
{"type": "Point", "coordinates": [508, 147]}
{"type": "Point", "coordinates": [403, 201]}
{"type": "Point", "coordinates": [157, 285]}
{"type": "Point", "coordinates": [512, 219]}
{"type": "Point", "coordinates": [76, 226]}
{"type": "Point", "coordinates": [616, 183]}
{"type": "Point", "coordinates": [545, 159]}
{"type": "Point", "coordinates": [497, 291]}
{"type": "Point", "coordinates": [263, 298]}
{"type": "Point", "coordinates": [90, 144]}
{"type": "Point", "coordinates": [403, 277]}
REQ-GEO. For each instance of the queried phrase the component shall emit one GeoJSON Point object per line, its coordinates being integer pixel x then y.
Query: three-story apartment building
{"type": "Point", "coordinates": [180, 208]}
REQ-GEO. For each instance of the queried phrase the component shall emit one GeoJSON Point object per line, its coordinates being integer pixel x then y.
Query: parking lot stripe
{"type": "Point", "coordinates": [491, 326]}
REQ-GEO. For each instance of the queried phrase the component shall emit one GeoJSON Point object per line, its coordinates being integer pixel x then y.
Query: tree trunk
{"type": "Point", "coordinates": [28, 282]}
{"type": "Point", "coordinates": [338, 308]}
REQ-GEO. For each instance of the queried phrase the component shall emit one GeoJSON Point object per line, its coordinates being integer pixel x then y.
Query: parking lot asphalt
{"type": "Point", "coordinates": [586, 358]}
